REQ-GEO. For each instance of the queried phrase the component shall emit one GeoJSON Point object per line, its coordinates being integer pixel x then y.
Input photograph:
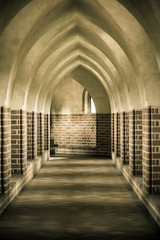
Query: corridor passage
{"type": "Point", "coordinates": [77, 198]}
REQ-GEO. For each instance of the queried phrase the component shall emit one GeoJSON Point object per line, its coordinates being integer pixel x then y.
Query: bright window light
{"type": "Point", "coordinates": [93, 108]}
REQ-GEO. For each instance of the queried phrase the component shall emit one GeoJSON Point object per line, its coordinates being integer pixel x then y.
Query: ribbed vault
{"type": "Point", "coordinates": [105, 45]}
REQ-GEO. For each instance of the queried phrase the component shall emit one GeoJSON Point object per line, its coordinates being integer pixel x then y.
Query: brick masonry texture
{"type": "Point", "coordinates": [126, 160]}
{"type": "Point", "coordinates": [34, 135]}
{"type": "Point", "coordinates": [81, 133]}
{"type": "Point", "coordinates": [135, 142]}
{"type": "Point", "coordinates": [1, 149]}
{"type": "Point", "coordinates": [151, 149]}
{"type": "Point", "coordinates": [40, 133]}
{"type": "Point", "coordinates": [18, 141]}
{"type": "Point", "coordinates": [117, 143]}
{"type": "Point", "coordinates": [31, 135]}
{"type": "Point", "coordinates": [104, 134]}
{"type": "Point", "coordinates": [147, 165]}
{"type": "Point", "coordinates": [1, 174]}
{"type": "Point", "coordinates": [46, 131]}
{"type": "Point", "coordinates": [5, 156]}
{"type": "Point", "coordinates": [155, 148]}
{"type": "Point", "coordinates": [124, 137]}
{"type": "Point", "coordinates": [138, 142]}
{"type": "Point", "coordinates": [112, 131]}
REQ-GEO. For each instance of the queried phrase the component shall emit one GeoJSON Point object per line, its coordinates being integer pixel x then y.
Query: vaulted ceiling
{"type": "Point", "coordinates": [111, 47]}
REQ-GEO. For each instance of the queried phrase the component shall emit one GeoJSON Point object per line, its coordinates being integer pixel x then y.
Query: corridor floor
{"type": "Point", "coordinates": [77, 198]}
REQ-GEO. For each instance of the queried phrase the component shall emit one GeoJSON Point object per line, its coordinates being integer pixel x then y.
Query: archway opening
{"type": "Point", "coordinates": [75, 123]}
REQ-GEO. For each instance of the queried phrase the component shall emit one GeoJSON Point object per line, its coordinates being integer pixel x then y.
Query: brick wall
{"type": "Point", "coordinates": [18, 141]}
{"type": "Point", "coordinates": [81, 133]}
{"type": "Point", "coordinates": [5, 149]}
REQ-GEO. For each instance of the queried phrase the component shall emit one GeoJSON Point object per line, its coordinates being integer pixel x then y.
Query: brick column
{"type": "Point", "coordinates": [135, 142]}
{"type": "Point", "coordinates": [5, 156]}
{"type": "Point", "coordinates": [151, 149]}
{"type": "Point", "coordinates": [1, 175]}
{"type": "Point", "coordinates": [122, 136]}
{"type": "Point", "coordinates": [40, 133]}
{"type": "Point", "coordinates": [29, 135]}
{"type": "Point", "coordinates": [155, 148]}
{"type": "Point", "coordinates": [132, 142]}
{"type": "Point", "coordinates": [104, 134]}
{"type": "Point", "coordinates": [126, 160]}
{"type": "Point", "coordinates": [49, 132]}
{"type": "Point", "coordinates": [124, 132]}
{"type": "Point", "coordinates": [138, 142]}
{"type": "Point", "coordinates": [23, 118]}
{"type": "Point", "coordinates": [117, 134]}
{"type": "Point", "coordinates": [34, 135]}
{"type": "Point", "coordinates": [46, 132]}
{"type": "Point", "coordinates": [112, 132]}
{"type": "Point", "coordinates": [19, 141]}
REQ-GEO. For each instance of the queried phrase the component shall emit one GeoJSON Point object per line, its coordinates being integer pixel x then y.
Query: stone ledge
{"type": "Point", "coordinates": [19, 181]}
{"type": "Point", "coordinates": [151, 201]}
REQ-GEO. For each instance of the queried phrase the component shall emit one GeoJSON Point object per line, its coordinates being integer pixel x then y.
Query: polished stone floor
{"type": "Point", "coordinates": [77, 198]}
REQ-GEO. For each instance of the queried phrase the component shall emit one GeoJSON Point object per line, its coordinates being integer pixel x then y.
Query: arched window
{"type": "Point", "coordinates": [88, 105]}
{"type": "Point", "coordinates": [83, 100]}
{"type": "Point", "coordinates": [93, 108]}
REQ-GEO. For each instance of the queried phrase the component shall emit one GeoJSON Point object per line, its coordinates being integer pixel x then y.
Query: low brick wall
{"type": "Point", "coordinates": [81, 134]}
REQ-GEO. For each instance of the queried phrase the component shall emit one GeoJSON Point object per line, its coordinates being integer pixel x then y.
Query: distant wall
{"type": "Point", "coordinates": [81, 134]}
